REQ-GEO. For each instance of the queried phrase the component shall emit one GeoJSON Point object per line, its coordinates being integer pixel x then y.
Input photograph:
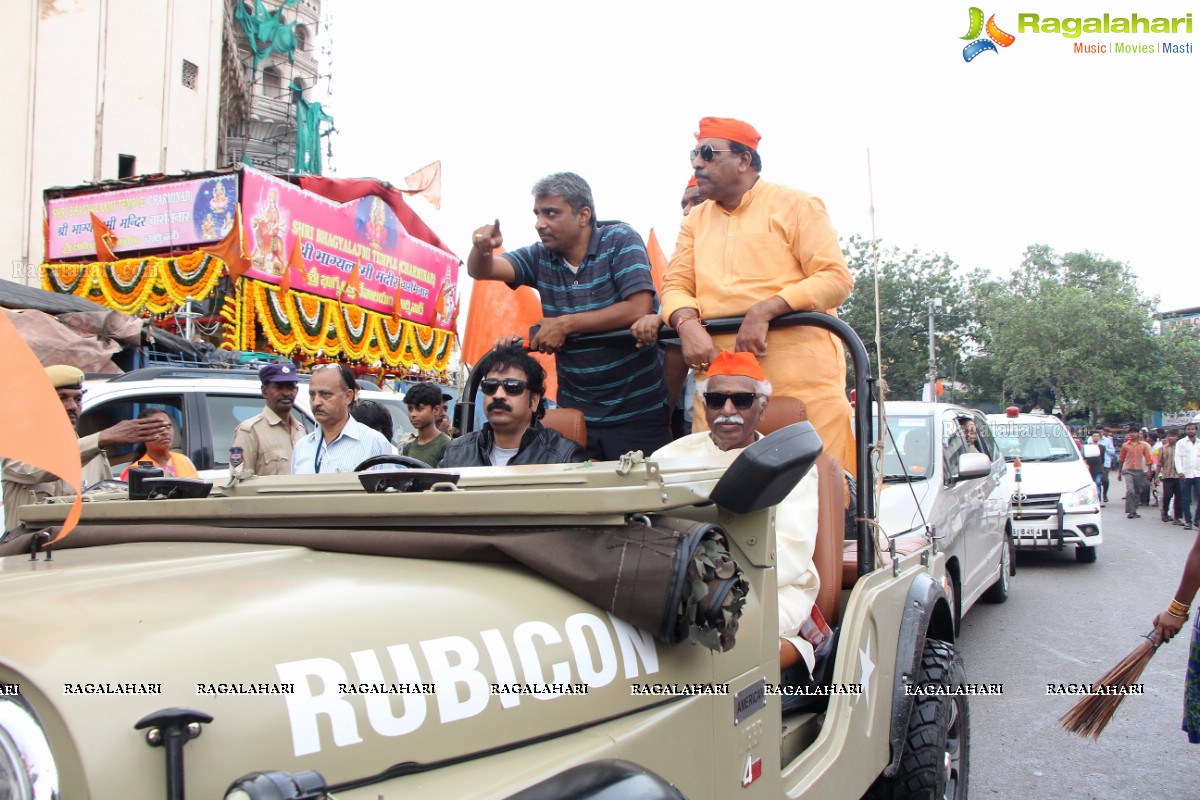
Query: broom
{"type": "Point", "coordinates": [1090, 715]}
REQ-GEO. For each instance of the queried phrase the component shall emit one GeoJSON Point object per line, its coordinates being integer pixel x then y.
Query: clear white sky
{"type": "Point", "coordinates": [1031, 144]}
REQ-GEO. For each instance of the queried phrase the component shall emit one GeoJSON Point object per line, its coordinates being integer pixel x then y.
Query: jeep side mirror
{"type": "Point", "coordinates": [768, 470]}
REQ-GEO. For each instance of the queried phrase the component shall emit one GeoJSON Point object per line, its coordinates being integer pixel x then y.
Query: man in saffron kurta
{"type": "Point", "coordinates": [759, 250]}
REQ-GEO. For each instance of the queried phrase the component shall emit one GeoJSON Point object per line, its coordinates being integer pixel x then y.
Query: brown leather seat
{"type": "Point", "coordinates": [905, 545]}
{"type": "Point", "coordinates": [831, 508]}
{"type": "Point", "coordinates": [567, 421]}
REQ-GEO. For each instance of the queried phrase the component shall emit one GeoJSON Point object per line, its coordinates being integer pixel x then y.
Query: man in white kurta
{"type": "Point", "coordinates": [735, 396]}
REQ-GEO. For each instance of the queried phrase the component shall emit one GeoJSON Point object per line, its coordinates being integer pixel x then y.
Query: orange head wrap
{"type": "Point", "coordinates": [732, 129]}
{"type": "Point", "coordinates": [741, 364]}
{"type": "Point", "coordinates": [691, 183]}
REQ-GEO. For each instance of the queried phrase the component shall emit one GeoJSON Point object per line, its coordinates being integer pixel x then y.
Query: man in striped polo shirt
{"type": "Point", "coordinates": [591, 278]}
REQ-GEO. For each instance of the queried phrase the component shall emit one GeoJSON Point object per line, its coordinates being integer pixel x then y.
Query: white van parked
{"type": "Point", "coordinates": [1054, 501]}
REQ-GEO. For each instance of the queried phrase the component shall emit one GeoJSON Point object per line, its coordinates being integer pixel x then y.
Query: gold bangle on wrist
{"type": "Point", "coordinates": [1178, 609]}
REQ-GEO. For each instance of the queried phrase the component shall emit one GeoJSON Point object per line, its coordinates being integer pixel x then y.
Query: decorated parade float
{"type": "Point", "coordinates": [312, 268]}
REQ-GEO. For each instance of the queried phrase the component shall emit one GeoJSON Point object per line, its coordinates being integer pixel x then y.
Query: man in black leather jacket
{"type": "Point", "coordinates": [513, 387]}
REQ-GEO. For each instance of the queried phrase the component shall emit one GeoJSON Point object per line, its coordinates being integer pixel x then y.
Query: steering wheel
{"type": "Point", "coordinates": [407, 462]}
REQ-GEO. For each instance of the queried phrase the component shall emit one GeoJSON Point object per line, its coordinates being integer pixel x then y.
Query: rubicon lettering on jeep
{"type": "Point", "coordinates": [462, 675]}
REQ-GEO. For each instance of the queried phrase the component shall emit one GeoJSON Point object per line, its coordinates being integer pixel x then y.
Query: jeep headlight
{"type": "Point", "coordinates": [27, 770]}
{"type": "Point", "coordinates": [1081, 497]}
{"type": "Point", "coordinates": [278, 785]}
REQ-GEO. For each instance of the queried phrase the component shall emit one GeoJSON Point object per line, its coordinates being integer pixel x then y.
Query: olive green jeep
{"type": "Point", "coordinates": [597, 630]}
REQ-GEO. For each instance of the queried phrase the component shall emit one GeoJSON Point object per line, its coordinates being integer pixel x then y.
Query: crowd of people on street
{"type": "Point", "coordinates": [1159, 468]}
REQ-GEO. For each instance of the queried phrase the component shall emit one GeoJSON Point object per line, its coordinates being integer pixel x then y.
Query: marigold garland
{"type": "Point", "coordinates": [311, 325]}
{"type": "Point", "coordinates": [156, 285]}
{"type": "Point", "coordinates": [235, 333]}
{"type": "Point", "coordinates": [297, 322]}
{"type": "Point", "coordinates": [354, 331]}
{"type": "Point", "coordinates": [67, 279]}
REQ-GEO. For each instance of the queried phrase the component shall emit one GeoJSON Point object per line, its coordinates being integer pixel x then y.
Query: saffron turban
{"type": "Point", "coordinates": [732, 129]}
{"type": "Point", "coordinates": [740, 364]}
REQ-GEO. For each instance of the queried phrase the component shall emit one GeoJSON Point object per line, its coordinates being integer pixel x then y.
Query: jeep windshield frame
{"type": "Point", "coordinates": [864, 386]}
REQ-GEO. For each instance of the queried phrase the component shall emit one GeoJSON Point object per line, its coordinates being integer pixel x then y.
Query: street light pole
{"type": "Point", "coordinates": [934, 302]}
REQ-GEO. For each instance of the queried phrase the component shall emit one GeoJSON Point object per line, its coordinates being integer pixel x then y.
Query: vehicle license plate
{"type": "Point", "coordinates": [1032, 533]}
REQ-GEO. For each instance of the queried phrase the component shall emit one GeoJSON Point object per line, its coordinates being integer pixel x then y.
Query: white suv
{"type": "Point", "coordinates": [206, 406]}
{"type": "Point", "coordinates": [1054, 502]}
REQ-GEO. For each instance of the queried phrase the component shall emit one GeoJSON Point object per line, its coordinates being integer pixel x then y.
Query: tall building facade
{"type": "Point", "coordinates": [110, 89]}
{"type": "Point", "coordinates": [269, 70]}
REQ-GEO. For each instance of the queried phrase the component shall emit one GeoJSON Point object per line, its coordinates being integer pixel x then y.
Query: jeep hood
{"type": "Point", "coordinates": [338, 662]}
{"type": "Point", "coordinates": [286, 608]}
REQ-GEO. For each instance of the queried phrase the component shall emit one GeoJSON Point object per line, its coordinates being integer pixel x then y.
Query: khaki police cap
{"type": "Point", "coordinates": [64, 376]}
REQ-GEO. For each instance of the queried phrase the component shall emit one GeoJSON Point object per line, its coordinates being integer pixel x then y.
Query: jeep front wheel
{"type": "Point", "coordinates": [935, 762]}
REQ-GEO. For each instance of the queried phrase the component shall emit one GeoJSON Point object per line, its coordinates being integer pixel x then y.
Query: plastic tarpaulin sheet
{"type": "Point", "coordinates": [86, 339]}
{"type": "Point", "coordinates": [674, 578]}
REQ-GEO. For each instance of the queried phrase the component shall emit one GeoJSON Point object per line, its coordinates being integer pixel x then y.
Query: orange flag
{"type": "Point", "coordinates": [41, 435]}
{"type": "Point", "coordinates": [352, 285]}
{"type": "Point", "coordinates": [231, 249]}
{"type": "Point", "coordinates": [427, 182]}
{"type": "Point", "coordinates": [658, 262]}
{"type": "Point", "coordinates": [105, 240]}
{"type": "Point", "coordinates": [295, 262]}
{"type": "Point", "coordinates": [496, 310]}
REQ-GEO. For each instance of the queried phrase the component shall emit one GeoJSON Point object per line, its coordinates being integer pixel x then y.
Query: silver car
{"type": "Point", "coordinates": [940, 480]}
{"type": "Point", "coordinates": [205, 405]}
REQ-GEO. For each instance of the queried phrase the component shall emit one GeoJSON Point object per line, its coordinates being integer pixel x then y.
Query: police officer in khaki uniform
{"type": "Point", "coordinates": [267, 439]}
{"type": "Point", "coordinates": [27, 485]}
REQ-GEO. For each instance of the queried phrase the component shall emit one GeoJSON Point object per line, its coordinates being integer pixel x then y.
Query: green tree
{"type": "Point", "coordinates": [907, 280]}
{"type": "Point", "coordinates": [1072, 331]}
{"type": "Point", "coordinates": [1176, 382]}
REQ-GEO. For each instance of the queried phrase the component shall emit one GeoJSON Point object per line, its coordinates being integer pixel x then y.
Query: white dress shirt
{"type": "Point", "coordinates": [355, 444]}
{"type": "Point", "coordinates": [1187, 458]}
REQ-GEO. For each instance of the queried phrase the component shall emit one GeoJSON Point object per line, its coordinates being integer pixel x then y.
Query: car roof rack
{"type": "Point", "coordinates": [152, 373]}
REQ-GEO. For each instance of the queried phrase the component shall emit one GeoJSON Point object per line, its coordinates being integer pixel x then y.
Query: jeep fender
{"type": "Point", "coordinates": [927, 613]}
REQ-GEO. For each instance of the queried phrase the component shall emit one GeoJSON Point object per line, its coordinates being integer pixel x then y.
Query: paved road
{"type": "Point", "coordinates": [1070, 622]}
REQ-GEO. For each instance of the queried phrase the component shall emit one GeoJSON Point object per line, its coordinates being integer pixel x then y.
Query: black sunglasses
{"type": "Point", "coordinates": [741, 400]}
{"type": "Point", "coordinates": [706, 152]}
{"type": "Point", "coordinates": [512, 386]}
